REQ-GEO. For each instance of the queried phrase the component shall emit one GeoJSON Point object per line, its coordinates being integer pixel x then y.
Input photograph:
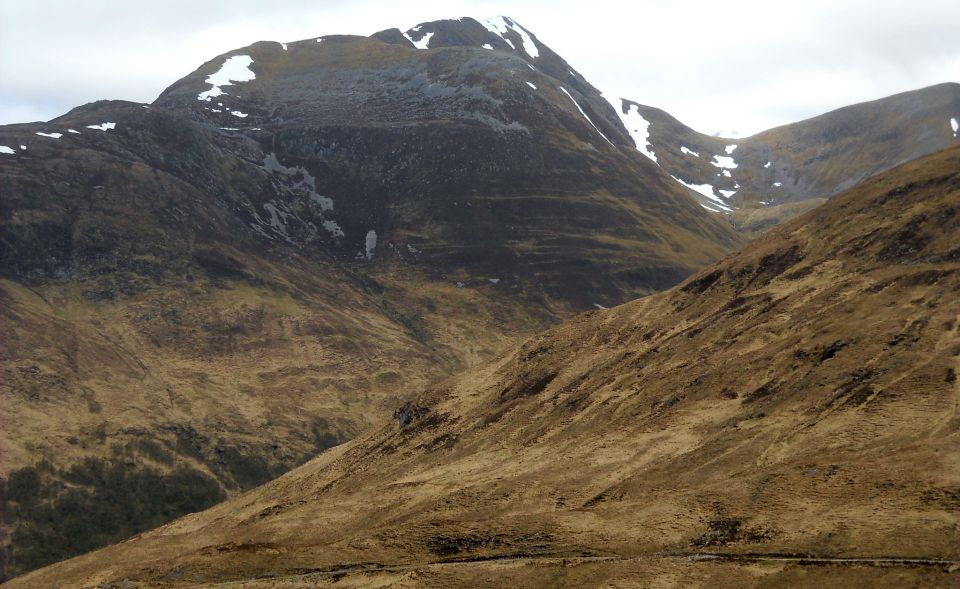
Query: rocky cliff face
{"type": "Point", "coordinates": [207, 290]}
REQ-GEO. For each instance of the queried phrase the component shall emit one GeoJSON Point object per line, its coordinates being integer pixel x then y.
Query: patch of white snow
{"type": "Point", "coordinates": [707, 191]}
{"type": "Point", "coordinates": [638, 127]}
{"type": "Point", "coordinates": [50, 135]}
{"type": "Point", "coordinates": [237, 113]}
{"type": "Point", "coordinates": [487, 46]}
{"type": "Point", "coordinates": [74, 131]}
{"type": "Point", "coordinates": [724, 162]}
{"type": "Point", "coordinates": [8, 150]}
{"type": "Point", "coordinates": [955, 126]}
{"type": "Point", "coordinates": [234, 69]}
{"type": "Point", "coordinates": [778, 184]}
{"type": "Point", "coordinates": [767, 165]}
{"type": "Point", "coordinates": [103, 126]}
{"type": "Point", "coordinates": [532, 85]}
{"type": "Point", "coordinates": [423, 43]}
{"type": "Point", "coordinates": [494, 280]}
{"type": "Point", "coordinates": [731, 148]}
{"type": "Point", "coordinates": [500, 25]}
{"type": "Point", "coordinates": [688, 151]}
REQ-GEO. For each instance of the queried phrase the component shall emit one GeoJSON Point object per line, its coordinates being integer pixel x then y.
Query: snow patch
{"type": "Point", "coordinates": [728, 193]}
{"type": "Point", "coordinates": [487, 46]}
{"type": "Point", "coordinates": [955, 126]}
{"type": "Point", "coordinates": [707, 191]}
{"type": "Point", "coordinates": [532, 85]}
{"type": "Point", "coordinates": [237, 113]}
{"type": "Point", "coordinates": [688, 151]}
{"type": "Point", "coordinates": [74, 131]}
{"type": "Point", "coordinates": [778, 184]}
{"type": "Point", "coordinates": [494, 280]}
{"type": "Point", "coordinates": [767, 165]}
{"type": "Point", "coordinates": [229, 129]}
{"type": "Point", "coordinates": [424, 42]}
{"type": "Point", "coordinates": [638, 127]}
{"type": "Point", "coordinates": [564, 90]}
{"type": "Point", "coordinates": [501, 25]}
{"type": "Point", "coordinates": [731, 148]}
{"type": "Point", "coordinates": [370, 243]}
{"type": "Point", "coordinates": [23, 148]}
{"type": "Point", "coordinates": [599, 306]}
{"type": "Point", "coordinates": [103, 126]}
{"type": "Point", "coordinates": [50, 135]}
{"type": "Point", "coordinates": [234, 69]}
{"type": "Point", "coordinates": [284, 45]}
{"type": "Point", "coordinates": [8, 150]}
{"type": "Point", "coordinates": [724, 162]}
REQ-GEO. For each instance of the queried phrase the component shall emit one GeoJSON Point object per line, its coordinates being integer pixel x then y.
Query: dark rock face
{"type": "Point", "coordinates": [478, 159]}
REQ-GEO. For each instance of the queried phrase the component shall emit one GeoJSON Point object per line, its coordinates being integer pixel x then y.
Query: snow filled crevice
{"type": "Point", "coordinates": [575, 103]}
{"type": "Point", "coordinates": [234, 69]}
{"type": "Point", "coordinates": [639, 128]}
{"type": "Point", "coordinates": [707, 191]}
{"type": "Point", "coordinates": [688, 151]}
{"type": "Point", "coordinates": [501, 25]}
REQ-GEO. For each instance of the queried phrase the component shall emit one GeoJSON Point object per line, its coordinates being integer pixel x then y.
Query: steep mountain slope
{"type": "Point", "coordinates": [201, 293]}
{"type": "Point", "coordinates": [779, 169]}
{"type": "Point", "coordinates": [788, 417]}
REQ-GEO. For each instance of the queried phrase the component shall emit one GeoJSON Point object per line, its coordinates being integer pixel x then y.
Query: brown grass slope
{"type": "Point", "coordinates": [799, 398]}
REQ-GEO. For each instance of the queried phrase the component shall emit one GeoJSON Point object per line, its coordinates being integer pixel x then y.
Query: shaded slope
{"type": "Point", "coordinates": [799, 397]}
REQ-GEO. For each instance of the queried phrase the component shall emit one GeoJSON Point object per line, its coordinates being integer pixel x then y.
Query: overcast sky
{"type": "Point", "coordinates": [733, 65]}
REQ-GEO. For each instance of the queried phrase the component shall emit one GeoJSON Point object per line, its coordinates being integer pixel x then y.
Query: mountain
{"type": "Point", "coordinates": [781, 172]}
{"type": "Point", "coordinates": [203, 292]}
{"type": "Point", "coordinates": [786, 417]}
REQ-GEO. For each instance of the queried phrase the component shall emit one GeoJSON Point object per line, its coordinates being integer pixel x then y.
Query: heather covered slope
{"type": "Point", "coordinates": [798, 398]}
{"type": "Point", "coordinates": [777, 170]}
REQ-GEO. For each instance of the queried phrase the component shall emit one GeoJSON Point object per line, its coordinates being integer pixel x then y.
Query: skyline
{"type": "Point", "coordinates": [833, 53]}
